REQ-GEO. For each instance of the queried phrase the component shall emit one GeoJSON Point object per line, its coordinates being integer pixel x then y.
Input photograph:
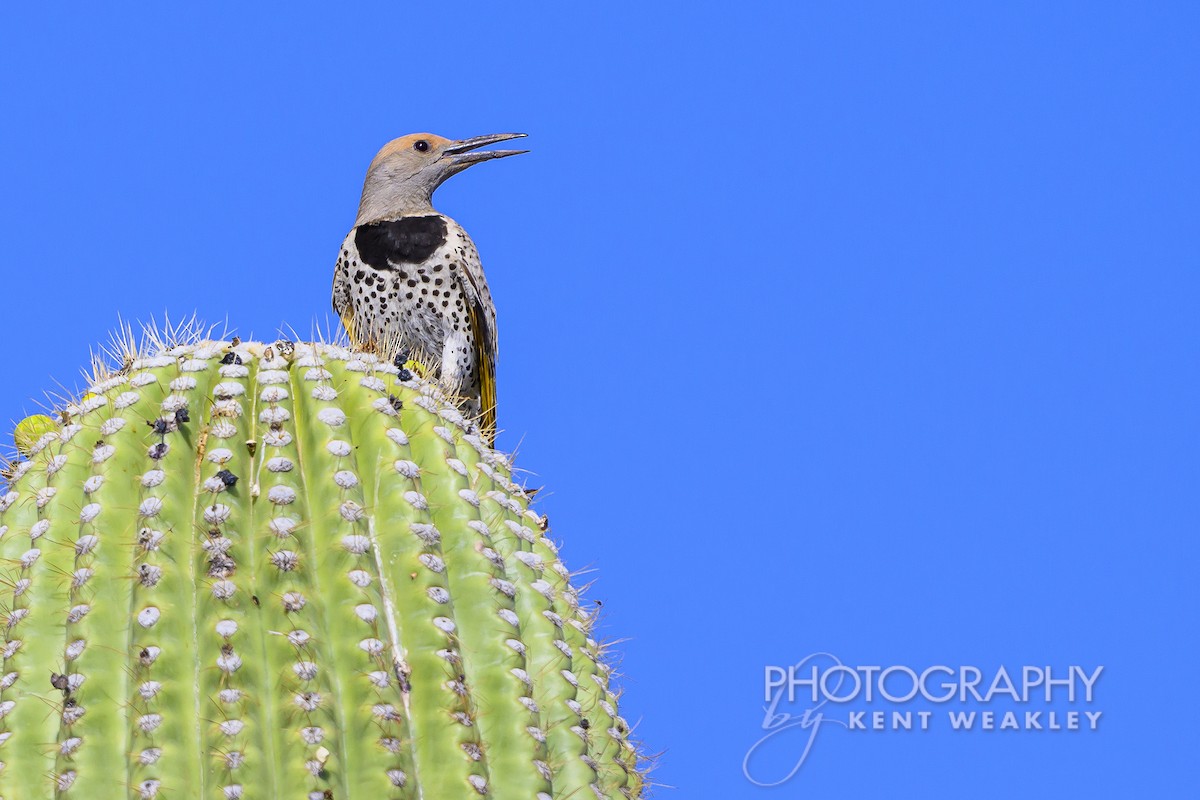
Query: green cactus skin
{"type": "Point", "coordinates": [237, 571]}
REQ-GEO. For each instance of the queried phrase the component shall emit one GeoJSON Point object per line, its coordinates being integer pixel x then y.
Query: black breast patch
{"type": "Point", "coordinates": [408, 240]}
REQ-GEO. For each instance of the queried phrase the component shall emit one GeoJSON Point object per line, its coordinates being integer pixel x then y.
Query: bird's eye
{"type": "Point", "coordinates": [420, 145]}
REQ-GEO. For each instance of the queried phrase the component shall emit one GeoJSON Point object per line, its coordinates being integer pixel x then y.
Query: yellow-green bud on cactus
{"type": "Point", "coordinates": [239, 571]}
{"type": "Point", "coordinates": [30, 430]}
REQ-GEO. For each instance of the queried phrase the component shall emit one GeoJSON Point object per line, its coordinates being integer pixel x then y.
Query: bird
{"type": "Point", "coordinates": [408, 282]}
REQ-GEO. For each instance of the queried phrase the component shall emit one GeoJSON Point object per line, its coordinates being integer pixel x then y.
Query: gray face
{"type": "Point", "coordinates": [404, 175]}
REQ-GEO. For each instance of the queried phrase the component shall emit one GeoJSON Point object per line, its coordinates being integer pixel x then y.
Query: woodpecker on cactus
{"type": "Point", "coordinates": [408, 282]}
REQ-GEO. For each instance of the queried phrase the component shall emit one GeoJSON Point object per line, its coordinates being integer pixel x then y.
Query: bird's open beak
{"type": "Point", "coordinates": [465, 152]}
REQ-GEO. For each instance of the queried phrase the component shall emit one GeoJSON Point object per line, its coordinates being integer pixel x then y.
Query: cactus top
{"type": "Point", "coordinates": [235, 570]}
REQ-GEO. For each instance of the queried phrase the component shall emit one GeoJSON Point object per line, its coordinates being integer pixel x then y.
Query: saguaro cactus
{"type": "Point", "coordinates": [241, 571]}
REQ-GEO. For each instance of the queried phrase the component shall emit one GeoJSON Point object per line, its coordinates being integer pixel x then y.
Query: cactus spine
{"type": "Point", "coordinates": [238, 571]}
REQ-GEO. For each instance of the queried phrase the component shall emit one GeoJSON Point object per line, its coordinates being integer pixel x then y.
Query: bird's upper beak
{"type": "Point", "coordinates": [465, 152]}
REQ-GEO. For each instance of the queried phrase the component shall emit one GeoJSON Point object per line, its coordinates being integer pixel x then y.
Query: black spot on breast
{"type": "Point", "coordinates": [408, 240]}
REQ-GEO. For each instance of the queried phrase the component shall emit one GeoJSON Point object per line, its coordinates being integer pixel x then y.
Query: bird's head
{"type": "Point", "coordinates": [404, 174]}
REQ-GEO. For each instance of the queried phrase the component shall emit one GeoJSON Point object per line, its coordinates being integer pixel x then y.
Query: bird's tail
{"type": "Point", "coordinates": [487, 400]}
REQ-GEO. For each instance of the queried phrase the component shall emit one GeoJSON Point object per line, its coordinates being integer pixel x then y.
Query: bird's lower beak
{"type": "Point", "coordinates": [465, 152]}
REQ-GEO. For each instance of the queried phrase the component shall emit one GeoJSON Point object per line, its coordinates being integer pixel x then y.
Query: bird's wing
{"type": "Point", "coordinates": [481, 313]}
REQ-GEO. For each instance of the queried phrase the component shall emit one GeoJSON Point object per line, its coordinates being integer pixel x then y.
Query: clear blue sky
{"type": "Point", "coordinates": [867, 328]}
